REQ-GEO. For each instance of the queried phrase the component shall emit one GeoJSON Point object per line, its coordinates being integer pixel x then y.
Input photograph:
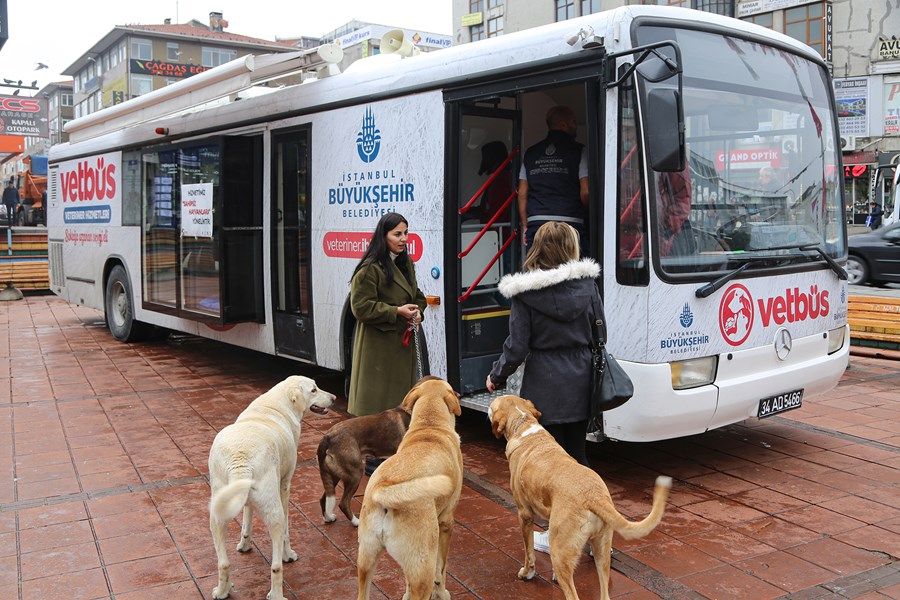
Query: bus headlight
{"type": "Point", "coordinates": [693, 372]}
{"type": "Point", "coordinates": [836, 339]}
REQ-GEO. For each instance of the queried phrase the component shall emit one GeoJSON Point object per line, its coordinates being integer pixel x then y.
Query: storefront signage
{"type": "Point", "coordinates": [23, 116]}
{"type": "Point", "coordinates": [374, 32]}
{"type": "Point", "coordinates": [892, 105]}
{"type": "Point", "coordinates": [829, 29]}
{"type": "Point", "coordinates": [889, 49]}
{"type": "Point", "coordinates": [475, 18]}
{"type": "Point", "coordinates": [164, 69]}
{"type": "Point", "coordinates": [852, 98]}
{"type": "Point", "coordinates": [196, 210]}
{"type": "Point", "coordinates": [754, 7]}
{"type": "Point", "coordinates": [754, 158]}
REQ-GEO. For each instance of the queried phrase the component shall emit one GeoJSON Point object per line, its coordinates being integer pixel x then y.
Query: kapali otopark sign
{"type": "Point", "coordinates": [164, 69]}
{"type": "Point", "coordinates": [24, 116]}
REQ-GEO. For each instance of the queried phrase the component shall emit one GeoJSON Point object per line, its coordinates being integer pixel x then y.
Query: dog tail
{"type": "Point", "coordinates": [229, 500]}
{"type": "Point", "coordinates": [638, 529]}
{"type": "Point", "coordinates": [406, 492]}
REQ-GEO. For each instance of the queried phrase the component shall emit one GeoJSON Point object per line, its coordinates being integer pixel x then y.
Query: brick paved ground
{"type": "Point", "coordinates": [103, 450]}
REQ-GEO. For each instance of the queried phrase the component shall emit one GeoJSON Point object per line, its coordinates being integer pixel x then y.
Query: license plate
{"type": "Point", "coordinates": [780, 403]}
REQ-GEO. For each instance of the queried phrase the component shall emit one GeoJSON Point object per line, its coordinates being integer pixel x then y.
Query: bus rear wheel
{"type": "Point", "coordinates": [120, 308]}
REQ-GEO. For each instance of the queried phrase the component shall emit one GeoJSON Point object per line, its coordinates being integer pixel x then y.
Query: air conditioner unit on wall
{"type": "Point", "coordinates": [848, 143]}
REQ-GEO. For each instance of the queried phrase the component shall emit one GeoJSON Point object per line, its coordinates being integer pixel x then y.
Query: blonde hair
{"type": "Point", "coordinates": [554, 244]}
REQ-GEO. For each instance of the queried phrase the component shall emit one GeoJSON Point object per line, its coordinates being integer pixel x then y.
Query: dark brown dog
{"type": "Point", "coordinates": [343, 450]}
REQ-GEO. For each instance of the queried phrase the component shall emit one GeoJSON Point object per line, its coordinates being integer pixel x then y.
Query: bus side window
{"type": "Point", "coordinates": [131, 188]}
{"type": "Point", "coordinates": [631, 230]}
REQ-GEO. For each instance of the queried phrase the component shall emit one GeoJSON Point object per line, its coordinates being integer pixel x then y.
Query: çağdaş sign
{"type": "Point", "coordinates": [164, 69]}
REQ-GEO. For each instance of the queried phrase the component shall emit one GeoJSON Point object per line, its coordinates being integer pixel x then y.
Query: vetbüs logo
{"type": "Point", "coordinates": [368, 140]}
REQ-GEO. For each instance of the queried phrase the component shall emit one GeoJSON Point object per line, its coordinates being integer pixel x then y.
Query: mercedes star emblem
{"type": "Point", "coordinates": [782, 343]}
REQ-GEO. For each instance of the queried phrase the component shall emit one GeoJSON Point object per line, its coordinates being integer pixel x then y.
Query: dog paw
{"type": "Point", "coordinates": [222, 591]}
{"type": "Point", "coordinates": [440, 595]}
{"type": "Point", "coordinates": [289, 556]}
{"type": "Point", "coordinates": [355, 521]}
{"type": "Point", "coordinates": [526, 573]}
{"type": "Point", "coordinates": [330, 519]}
{"type": "Point", "coordinates": [245, 545]}
{"type": "Point", "coordinates": [269, 596]}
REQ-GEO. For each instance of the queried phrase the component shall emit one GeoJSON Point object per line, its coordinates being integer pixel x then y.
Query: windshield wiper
{"type": "Point", "coordinates": [711, 287]}
{"type": "Point", "coordinates": [838, 270]}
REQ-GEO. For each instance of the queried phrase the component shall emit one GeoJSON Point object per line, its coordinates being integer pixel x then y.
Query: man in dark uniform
{"type": "Point", "coordinates": [553, 182]}
{"type": "Point", "coordinates": [11, 200]}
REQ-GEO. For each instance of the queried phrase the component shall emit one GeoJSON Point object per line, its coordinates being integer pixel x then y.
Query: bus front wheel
{"type": "Point", "coordinates": [120, 308]}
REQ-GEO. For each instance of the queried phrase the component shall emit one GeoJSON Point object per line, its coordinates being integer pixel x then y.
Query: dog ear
{"type": "Point", "coordinates": [410, 399]}
{"type": "Point", "coordinates": [498, 421]}
{"type": "Point", "coordinates": [532, 409]}
{"type": "Point", "coordinates": [452, 401]}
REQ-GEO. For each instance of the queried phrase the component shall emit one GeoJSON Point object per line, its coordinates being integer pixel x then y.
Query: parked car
{"type": "Point", "coordinates": [875, 257]}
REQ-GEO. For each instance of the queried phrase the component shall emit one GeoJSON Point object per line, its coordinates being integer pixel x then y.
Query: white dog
{"type": "Point", "coordinates": [251, 463]}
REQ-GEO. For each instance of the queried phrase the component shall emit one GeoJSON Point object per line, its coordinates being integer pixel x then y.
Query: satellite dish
{"type": "Point", "coordinates": [395, 42]}
{"type": "Point", "coordinates": [330, 53]}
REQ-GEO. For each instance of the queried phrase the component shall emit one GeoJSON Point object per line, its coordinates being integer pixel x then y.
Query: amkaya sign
{"type": "Point", "coordinates": [737, 310]}
{"type": "Point", "coordinates": [90, 189]}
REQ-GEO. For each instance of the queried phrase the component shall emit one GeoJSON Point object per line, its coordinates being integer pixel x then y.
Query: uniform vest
{"type": "Point", "coordinates": [551, 166]}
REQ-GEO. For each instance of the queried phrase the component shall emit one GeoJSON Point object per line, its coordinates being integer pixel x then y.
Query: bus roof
{"type": "Point", "coordinates": [377, 76]}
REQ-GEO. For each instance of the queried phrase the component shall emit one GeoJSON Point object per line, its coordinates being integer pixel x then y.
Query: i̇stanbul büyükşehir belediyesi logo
{"type": "Point", "coordinates": [368, 140]}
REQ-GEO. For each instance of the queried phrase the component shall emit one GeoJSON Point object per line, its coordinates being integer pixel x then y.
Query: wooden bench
{"type": "Point", "coordinates": [874, 321]}
{"type": "Point", "coordinates": [23, 258]}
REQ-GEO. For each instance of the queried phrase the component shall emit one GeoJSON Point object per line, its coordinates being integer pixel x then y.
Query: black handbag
{"type": "Point", "coordinates": [610, 385]}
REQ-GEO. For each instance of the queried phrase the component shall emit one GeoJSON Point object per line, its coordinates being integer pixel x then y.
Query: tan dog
{"type": "Point", "coordinates": [409, 501]}
{"type": "Point", "coordinates": [251, 463]}
{"type": "Point", "coordinates": [343, 450]}
{"type": "Point", "coordinates": [548, 483]}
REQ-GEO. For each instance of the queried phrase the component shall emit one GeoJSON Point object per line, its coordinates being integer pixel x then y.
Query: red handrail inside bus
{"type": "Point", "coordinates": [487, 225]}
{"type": "Point", "coordinates": [481, 275]}
{"type": "Point", "coordinates": [465, 208]}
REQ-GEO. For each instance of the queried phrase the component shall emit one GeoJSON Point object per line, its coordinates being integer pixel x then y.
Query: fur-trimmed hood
{"type": "Point", "coordinates": [563, 293]}
{"type": "Point", "coordinates": [515, 284]}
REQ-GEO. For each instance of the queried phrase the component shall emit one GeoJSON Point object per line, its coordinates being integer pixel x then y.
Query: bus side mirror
{"type": "Point", "coordinates": [665, 130]}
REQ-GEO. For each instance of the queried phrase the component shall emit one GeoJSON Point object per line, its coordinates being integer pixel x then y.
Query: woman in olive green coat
{"type": "Point", "coordinates": [385, 300]}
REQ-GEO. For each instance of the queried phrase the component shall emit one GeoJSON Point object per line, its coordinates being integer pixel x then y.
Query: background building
{"type": "Point", "coordinates": [61, 108]}
{"type": "Point", "coordinates": [136, 59]}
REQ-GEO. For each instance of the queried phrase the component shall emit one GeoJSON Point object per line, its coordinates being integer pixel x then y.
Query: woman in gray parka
{"type": "Point", "coordinates": [550, 323]}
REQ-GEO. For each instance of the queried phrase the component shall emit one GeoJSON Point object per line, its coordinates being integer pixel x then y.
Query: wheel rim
{"type": "Point", "coordinates": [119, 304]}
{"type": "Point", "coordinates": [855, 271]}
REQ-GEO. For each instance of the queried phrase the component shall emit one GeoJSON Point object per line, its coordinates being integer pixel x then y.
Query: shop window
{"type": "Point", "coordinates": [565, 9]}
{"type": "Point", "coordinates": [807, 24]}
{"type": "Point", "coordinates": [495, 27]}
{"type": "Point", "coordinates": [141, 49]}
{"type": "Point", "coordinates": [140, 85]}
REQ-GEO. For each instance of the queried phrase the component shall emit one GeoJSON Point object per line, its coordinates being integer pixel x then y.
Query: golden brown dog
{"type": "Point", "coordinates": [343, 450]}
{"type": "Point", "coordinates": [409, 501]}
{"type": "Point", "coordinates": [548, 483]}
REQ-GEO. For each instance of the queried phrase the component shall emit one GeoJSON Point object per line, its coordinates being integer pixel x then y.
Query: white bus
{"type": "Point", "coordinates": [715, 206]}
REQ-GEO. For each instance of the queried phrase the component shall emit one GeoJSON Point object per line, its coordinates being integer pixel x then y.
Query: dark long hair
{"type": "Point", "coordinates": [378, 253]}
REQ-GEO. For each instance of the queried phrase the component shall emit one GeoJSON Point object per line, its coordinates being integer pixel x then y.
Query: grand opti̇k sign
{"type": "Point", "coordinates": [24, 116]}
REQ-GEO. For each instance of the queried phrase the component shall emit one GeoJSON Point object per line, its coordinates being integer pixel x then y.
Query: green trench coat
{"type": "Point", "coordinates": [383, 370]}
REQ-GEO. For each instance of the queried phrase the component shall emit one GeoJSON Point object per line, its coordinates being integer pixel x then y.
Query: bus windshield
{"type": "Point", "coordinates": [761, 177]}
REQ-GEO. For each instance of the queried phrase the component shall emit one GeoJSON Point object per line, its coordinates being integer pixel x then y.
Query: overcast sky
{"type": "Point", "coordinates": [56, 33]}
